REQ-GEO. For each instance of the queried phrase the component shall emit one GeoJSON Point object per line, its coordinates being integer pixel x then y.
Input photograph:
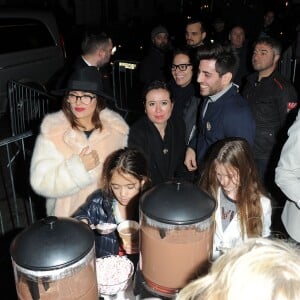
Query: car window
{"type": "Point", "coordinates": [23, 34]}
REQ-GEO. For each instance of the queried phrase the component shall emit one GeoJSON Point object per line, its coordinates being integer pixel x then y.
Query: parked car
{"type": "Point", "coordinates": [31, 49]}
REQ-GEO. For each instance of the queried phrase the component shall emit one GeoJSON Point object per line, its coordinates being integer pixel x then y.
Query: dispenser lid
{"type": "Point", "coordinates": [52, 243]}
{"type": "Point", "coordinates": [181, 203]}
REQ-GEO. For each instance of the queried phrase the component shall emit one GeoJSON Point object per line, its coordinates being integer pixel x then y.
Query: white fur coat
{"type": "Point", "coordinates": [56, 171]}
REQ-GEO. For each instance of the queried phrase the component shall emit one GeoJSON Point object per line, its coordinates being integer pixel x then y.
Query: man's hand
{"type": "Point", "coordinates": [190, 159]}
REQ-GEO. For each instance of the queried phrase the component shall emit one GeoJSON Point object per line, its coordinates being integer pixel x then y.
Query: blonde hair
{"type": "Point", "coordinates": [260, 269]}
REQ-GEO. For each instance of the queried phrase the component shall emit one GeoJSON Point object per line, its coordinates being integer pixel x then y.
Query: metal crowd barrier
{"type": "Point", "coordinates": [288, 64]}
{"type": "Point", "coordinates": [126, 86]}
{"type": "Point", "coordinates": [27, 105]}
{"type": "Point", "coordinates": [16, 207]}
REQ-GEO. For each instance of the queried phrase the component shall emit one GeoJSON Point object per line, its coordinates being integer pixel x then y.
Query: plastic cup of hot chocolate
{"type": "Point", "coordinates": [129, 232]}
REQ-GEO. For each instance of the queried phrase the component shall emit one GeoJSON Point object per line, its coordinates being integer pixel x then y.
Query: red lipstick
{"type": "Point", "coordinates": [79, 109]}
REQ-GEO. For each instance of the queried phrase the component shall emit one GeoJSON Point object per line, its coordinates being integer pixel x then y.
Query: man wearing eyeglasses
{"type": "Point", "coordinates": [224, 112]}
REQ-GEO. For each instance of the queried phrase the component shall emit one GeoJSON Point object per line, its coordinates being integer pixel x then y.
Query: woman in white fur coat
{"type": "Point", "coordinates": [73, 144]}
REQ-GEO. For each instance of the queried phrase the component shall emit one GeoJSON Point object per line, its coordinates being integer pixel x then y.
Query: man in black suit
{"type": "Point", "coordinates": [96, 51]}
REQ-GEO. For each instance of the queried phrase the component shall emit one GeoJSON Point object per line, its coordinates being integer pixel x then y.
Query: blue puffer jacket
{"type": "Point", "coordinates": [98, 208]}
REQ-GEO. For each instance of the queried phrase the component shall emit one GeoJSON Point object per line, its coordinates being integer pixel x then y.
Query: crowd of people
{"type": "Point", "coordinates": [216, 114]}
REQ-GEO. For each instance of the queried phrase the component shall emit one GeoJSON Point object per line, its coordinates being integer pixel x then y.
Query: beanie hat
{"type": "Point", "coordinates": [159, 29]}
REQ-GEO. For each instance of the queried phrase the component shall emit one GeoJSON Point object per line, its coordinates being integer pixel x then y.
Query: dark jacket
{"type": "Point", "coordinates": [244, 66]}
{"type": "Point", "coordinates": [98, 209]}
{"type": "Point", "coordinates": [229, 116]}
{"type": "Point", "coordinates": [153, 66]}
{"type": "Point", "coordinates": [165, 157]}
{"type": "Point", "coordinates": [65, 73]}
{"type": "Point", "coordinates": [186, 105]}
{"type": "Point", "coordinates": [269, 100]}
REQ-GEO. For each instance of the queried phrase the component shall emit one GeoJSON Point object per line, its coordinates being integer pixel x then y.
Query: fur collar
{"type": "Point", "coordinates": [56, 123]}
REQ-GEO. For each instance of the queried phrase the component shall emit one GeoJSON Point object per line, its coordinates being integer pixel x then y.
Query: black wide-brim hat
{"type": "Point", "coordinates": [87, 79]}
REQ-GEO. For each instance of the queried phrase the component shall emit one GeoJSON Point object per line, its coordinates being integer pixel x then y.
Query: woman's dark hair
{"type": "Point", "coordinates": [155, 85]}
{"type": "Point", "coordinates": [95, 118]}
{"type": "Point", "coordinates": [186, 51]}
{"type": "Point", "coordinates": [127, 160]}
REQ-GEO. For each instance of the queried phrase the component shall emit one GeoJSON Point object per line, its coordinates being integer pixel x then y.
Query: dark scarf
{"type": "Point", "coordinates": [161, 149]}
{"type": "Point", "coordinates": [181, 96]}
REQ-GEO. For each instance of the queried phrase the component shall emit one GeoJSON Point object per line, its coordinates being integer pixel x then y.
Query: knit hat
{"type": "Point", "coordinates": [159, 29]}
